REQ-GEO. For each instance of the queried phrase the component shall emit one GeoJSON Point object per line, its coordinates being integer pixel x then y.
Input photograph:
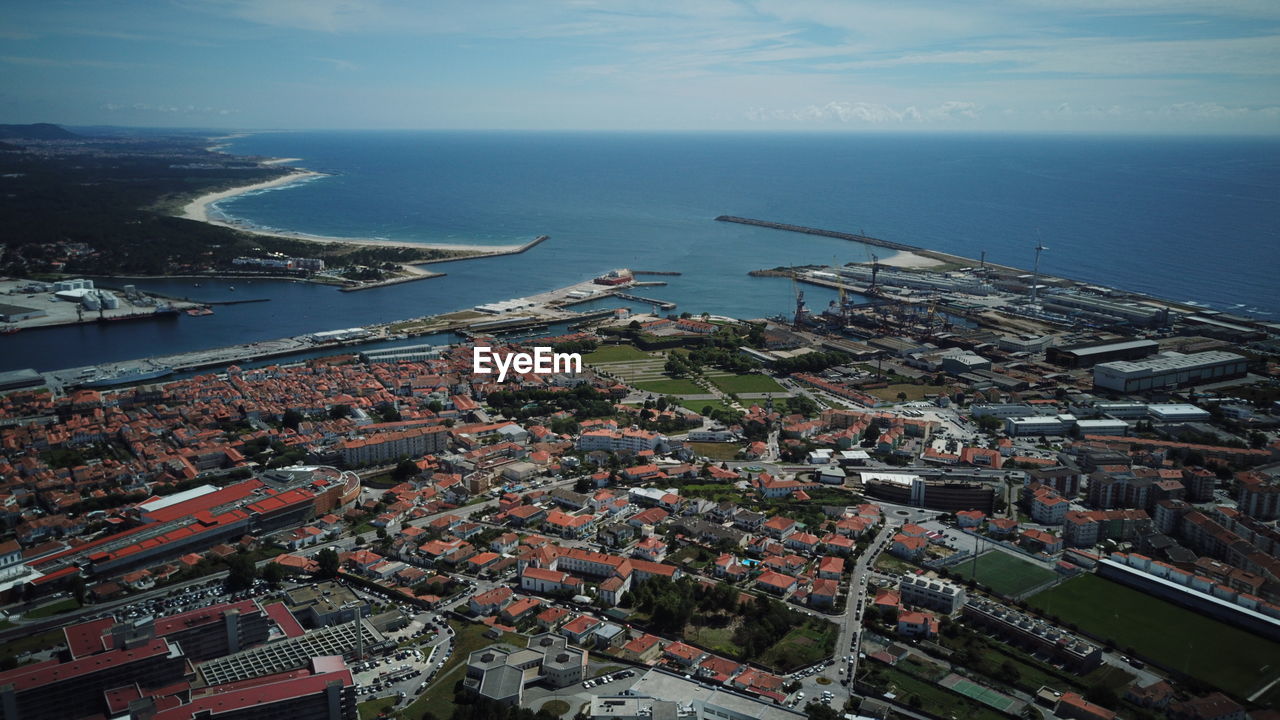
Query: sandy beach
{"type": "Point", "coordinates": [199, 210]}
{"type": "Point", "coordinates": [280, 161]}
{"type": "Point", "coordinates": [908, 259]}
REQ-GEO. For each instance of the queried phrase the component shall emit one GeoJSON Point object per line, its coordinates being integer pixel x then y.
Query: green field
{"type": "Point", "coordinates": [802, 646]}
{"type": "Point", "coordinates": [935, 699]}
{"type": "Point", "coordinates": [1219, 654]}
{"type": "Point", "coordinates": [716, 451]}
{"type": "Point", "coordinates": [913, 392]}
{"type": "Point", "coordinates": [1004, 573]}
{"type": "Point", "coordinates": [615, 353]}
{"type": "Point", "coordinates": [752, 383]}
{"type": "Point", "coordinates": [717, 639]}
{"type": "Point", "coordinates": [373, 708]}
{"type": "Point", "coordinates": [62, 606]}
{"type": "Point", "coordinates": [698, 405]}
{"type": "Point", "coordinates": [670, 386]}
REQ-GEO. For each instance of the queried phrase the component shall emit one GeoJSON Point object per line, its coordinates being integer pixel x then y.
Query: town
{"type": "Point", "coordinates": [944, 502]}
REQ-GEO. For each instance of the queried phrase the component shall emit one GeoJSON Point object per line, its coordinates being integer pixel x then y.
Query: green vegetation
{"type": "Point", "coordinates": [1234, 660]}
{"type": "Point", "coordinates": [58, 608]}
{"type": "Point", "coordinates": [675, 386]}
{"type": "Point", "coordinates": [468, 637]}
{"type": "Point", "coordinates": [716, 451]}
{"type": "Point", "coordinates": [699, 406]}
{"type": "Point", "coordinates": [811, 362]}
{"type": "Point", "coordinates": [373, 708]}
{"type": "Point", "coordinates": [614, 354]}
{"type": "Point", "coordinates": [752, 383]}
{"type": "Point", "coordinates": [802, 646]}
{"type": "Point", "coordinates": [893, 393]}
{"type": "Point", "coordinates": [583, 402]}
{"type": "Point", "coordinates": [34, 643]}
{"type": "Point", "coordinates": [1003, 573]}
{"type": "Point", "coordinates": [921, 694]}
{"type": "Point", "coordinates": [558, 708]}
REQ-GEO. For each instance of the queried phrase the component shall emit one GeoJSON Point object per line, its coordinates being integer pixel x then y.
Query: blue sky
{"type": "Point", "coordinates": [1146, 66]}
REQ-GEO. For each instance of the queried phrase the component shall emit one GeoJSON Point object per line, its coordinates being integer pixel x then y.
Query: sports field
{"type": "Point", "coordinates": [984, 695]}
{"type": "Point", "coordinates": [1222, 655]}
{"type": "Point", "coordinates": [1008, 575]}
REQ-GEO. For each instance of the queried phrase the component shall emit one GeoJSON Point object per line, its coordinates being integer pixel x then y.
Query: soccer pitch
{"type": "Point", "coordinates": [1232, 659]}
{"type": "Point", "coordinates": [1003, 573]}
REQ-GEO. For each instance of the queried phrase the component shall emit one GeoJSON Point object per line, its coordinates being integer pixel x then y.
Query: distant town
{"type": "Point", "coordinates": [959, 491]}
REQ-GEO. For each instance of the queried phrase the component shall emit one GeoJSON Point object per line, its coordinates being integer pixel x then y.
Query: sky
{"type": "Point", "coordinates": [1107, 66]}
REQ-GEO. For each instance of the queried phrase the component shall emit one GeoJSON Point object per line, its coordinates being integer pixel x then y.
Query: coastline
{"type": "Point", "coordinates": [199, 210]}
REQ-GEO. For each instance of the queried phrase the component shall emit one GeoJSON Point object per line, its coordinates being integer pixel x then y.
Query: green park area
{"type": "Point", "coordinates": [1235, 660]}
{"type": "Point", "coordinates": [748, 383]}
{"type": "Point", "coordinates": [670, 386]}
{"type": "Point", "coordinates": [614, 354]}
{"type": "Point", "coordinates": [1003, 573]}
{"type": "Point", "coordinates": [716, 451]}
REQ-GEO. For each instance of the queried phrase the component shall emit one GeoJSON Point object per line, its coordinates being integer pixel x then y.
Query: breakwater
{"type": "Point", "coordinates": [864, 239]}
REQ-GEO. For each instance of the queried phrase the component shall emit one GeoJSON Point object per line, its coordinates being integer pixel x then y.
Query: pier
{"type": "Point", "coordinates": [864, 239]}
{"type": "Point", "coordinates": [665, 305]}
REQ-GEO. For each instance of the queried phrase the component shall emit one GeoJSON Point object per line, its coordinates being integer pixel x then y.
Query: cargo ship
{"type": "Point", "coordinates": [162, 312]}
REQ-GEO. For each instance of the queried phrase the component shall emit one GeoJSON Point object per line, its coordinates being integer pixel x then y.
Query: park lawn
{"type": "Point", "coordinates": [615, 353]}
{"type": "Point", "coordinates": [670, 386]}
{"type": "Point", "coordinates": [749, 383]}
{"type": "Point", "coordinates": [698, 405]}
{"type": "Point", "coordinates": [717, 639]}
{"type": "Point", "coordinates": [373, 708]}
{"type": "Point", "coordinates": [62, 606]}
{"type": "Point", "coordinates": [936, 699]}
{"type": "Point", "coordinates": [1004, 573]}
{"type": "Point", "coordinates": [914, 392]}
{"type": "Point", "coordinates": [557, 708]}
{"type": "Point", "coordinates": [890, 564]}
{"type": "Point", "coordinates": [802, 646]}
{"type": "Point", "coordinates": [1214, 652]}
{"type": "Point", "coordinates": [716, 451]}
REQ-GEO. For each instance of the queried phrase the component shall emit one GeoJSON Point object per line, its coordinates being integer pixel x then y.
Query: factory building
{"type": "Point", "coordinates": [1168, 370]}
{"type": "Point", "coordinates": [1083, 356]}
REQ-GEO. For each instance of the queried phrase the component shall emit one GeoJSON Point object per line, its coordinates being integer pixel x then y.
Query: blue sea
{"type": "Point", "coordinates": [1185, 219]}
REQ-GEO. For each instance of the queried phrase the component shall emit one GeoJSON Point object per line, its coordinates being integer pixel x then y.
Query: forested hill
{"type": "Point", "coordinates": [36, 131]}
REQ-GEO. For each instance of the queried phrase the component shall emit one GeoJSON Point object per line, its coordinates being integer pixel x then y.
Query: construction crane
{"type": "Point", "coordinates": [875, 270]}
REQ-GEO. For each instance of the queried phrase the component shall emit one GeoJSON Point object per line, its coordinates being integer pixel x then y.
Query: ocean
{"type": "Point", "coordinates": [1180, 218]}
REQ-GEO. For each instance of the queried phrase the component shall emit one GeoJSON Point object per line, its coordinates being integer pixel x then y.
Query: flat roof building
{"type": "Point", "coordinates": [1169, 369]}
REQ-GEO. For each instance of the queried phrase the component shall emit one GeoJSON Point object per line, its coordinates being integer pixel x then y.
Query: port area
{"type": "Point", "coordinates": [28, 304]}
{"type": "Point", "coordinates": [512, 315]}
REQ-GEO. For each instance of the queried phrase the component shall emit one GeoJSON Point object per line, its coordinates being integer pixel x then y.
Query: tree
{"type": "Point", "coordinates": [291, 419]}
{"type": "Point", "coordinates": [1102, 695]}
{"type": "Point", "coordinates": [405, 469]}
{"type": "Point", "coordinates": [273, 573]}
{"type": "Point", "coordinates": [241, 572]}
{"type": "Point", "coordinates": [337, 412]}
{"type": "Point", "coordinates": [327, 560]}
{"type": "Point", "coordinates": [815, 710]}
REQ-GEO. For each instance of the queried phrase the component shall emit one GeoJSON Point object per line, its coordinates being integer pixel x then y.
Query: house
{"type": "Point", "coordinates": [776, 583]}
{"type": "Point", "coordinates": [917, 624]}
{"type": "Point", "coordinates": [683, 655]}
{"type": "Point", "coordinates": [908, 546]}
{"type": "Point", "coordinates": [518, 610]}
{"type": "Point", "coordinates": [551, 618]}
{"type": "Point", "coordinates": [823, 593]}
{"type": "Point", "coordinates": [579, 629]}
{"type": "Point", "coordinates": [831, 568]}
{"type": "Point", "coordinates": [651, 549]}
{"type": "Point", "coordinates": [644, 649]}
{"type": "Point", "coordinates": [970, 518]}
{"type": "Point", "coordinates": [488, 603]}
{"type": "Point", "coordinates": [779, 527]}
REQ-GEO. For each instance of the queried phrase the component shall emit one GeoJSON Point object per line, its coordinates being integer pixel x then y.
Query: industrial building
{"type": "Point", "coordinates": [17, 313]}
{"type": "Point", "coordinates": [1169, 370]}
{"type": "Point", "coordinates": [1083, 356]}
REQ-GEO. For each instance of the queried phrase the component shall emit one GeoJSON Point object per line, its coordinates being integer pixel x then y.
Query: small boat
{"type": "Point", "coordinates": [231, 288]}
{"type": "Point", "coordinates": [10, 330]}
